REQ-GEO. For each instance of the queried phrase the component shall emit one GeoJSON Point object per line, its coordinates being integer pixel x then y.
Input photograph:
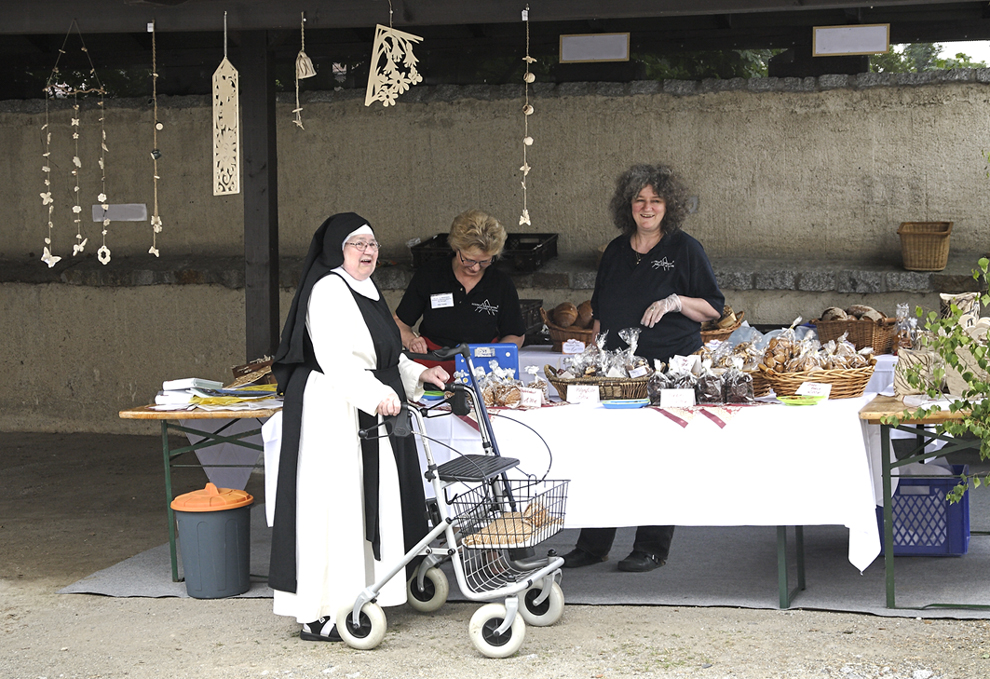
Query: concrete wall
{"type": "Point", "coordinates": [784, 169]}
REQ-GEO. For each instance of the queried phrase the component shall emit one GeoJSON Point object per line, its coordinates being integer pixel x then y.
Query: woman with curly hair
{"type": "Point", "coordinates": [657, 278]}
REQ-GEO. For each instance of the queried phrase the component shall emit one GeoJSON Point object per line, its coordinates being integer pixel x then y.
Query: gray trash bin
{"type": "Point", "coordinates": [215, 541]}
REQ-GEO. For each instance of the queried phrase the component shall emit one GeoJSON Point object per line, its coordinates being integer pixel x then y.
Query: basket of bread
{"type": "Point", "coordinates": [567, 321]}
{"type": "Point", "coordinates": [863, 325]}
{"type": "Point", "coordinates": [618, 374]}
{"type": "Point", "coordinates": [723, 327]}
{"type": "Point", "coordinates": [789, 363]}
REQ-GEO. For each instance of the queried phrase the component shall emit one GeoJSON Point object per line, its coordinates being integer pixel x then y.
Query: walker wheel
{"type": "Point", "coordinates": [368, 633]}
{"type": "Point", "coordinates": [546, 613]}
{"type": "Point", "coordinates": [434, 592]}
{"type": "Point", "coordinates": [485, 621]}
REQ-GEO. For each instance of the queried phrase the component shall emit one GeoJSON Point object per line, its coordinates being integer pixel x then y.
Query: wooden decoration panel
{"type": "Point", "coordinates": [226, 131]}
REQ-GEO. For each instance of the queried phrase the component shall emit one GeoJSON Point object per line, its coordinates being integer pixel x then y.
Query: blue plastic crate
{"type": "Point", "coordinates": [925, 522]}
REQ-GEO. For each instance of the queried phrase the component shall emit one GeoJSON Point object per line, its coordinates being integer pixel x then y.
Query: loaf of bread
{"type": "Point", "coordinates": [565, 314]}
{"type": "Point", "coordinates": [584, 317]}
{"type": "Point", "coordinates": [834, 313]}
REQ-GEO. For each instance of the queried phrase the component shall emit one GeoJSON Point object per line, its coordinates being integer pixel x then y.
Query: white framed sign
{"type": "Point", "coordinates": [857, 39]}
{"type": "Point", "coordinates": [588, 47]}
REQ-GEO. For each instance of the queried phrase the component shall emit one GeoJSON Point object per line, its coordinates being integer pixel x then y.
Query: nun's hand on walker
{"type": "Point", "coordinates": [658, 309]}
{"type": "Point", "coordinates": [435, 375]}
{"type": "Point", "coordinates": [390, 405]}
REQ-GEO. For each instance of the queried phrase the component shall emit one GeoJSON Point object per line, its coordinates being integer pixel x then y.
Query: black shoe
{"type": "Point", "coordinates": [640, 562]}
{"type": "Point", "coordinates": [577, 558]}
{"type": "Point", "coordinates": [319, 630]}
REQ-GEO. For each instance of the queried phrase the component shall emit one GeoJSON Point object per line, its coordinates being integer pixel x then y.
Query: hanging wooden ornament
{"type": "Point", "coordinates": [156, 220]}
{"type": "Point", "coordinates": [304, 69]}
{"type": "Point", "coordinates": [527, 110]}
{"type": "Point", "coordinates": [226, 126]}
{"type": "Point", "coordinates": [393, 64]}
{"type": "Point", "coordinates": [76, 167]}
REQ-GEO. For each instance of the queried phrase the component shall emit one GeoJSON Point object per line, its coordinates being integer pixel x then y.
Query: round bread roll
{"type": "Point", "coordinates": [858, 310]}
{"type": "Point", "coordinates": [834, 313]}
{"type": "Point", "coordinates": [872, 315]}
{"type": "Point", "coordinates": [584, 317]}
{"type": "Point", "coordinates": [565, 314]}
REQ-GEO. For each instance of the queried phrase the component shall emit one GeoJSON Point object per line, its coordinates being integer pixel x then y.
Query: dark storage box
{"type": "Point", "coordinates": [925, 522]}
{"type": "Point", "coordinates": [524, 252]}
{"type": "Point", "coordinates": [531, 314]}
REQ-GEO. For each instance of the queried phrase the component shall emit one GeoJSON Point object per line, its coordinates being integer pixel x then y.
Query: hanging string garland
{"type": "Point", "coordinates": [528, 79]}
{"type": "Point", "coordinates": [75, 125]}
{"type": "Point", "coordinates": [156, 220]}
{"type": "Point", "coordinates": [391, 53]}
{"type": "Point", "coordinates": [304, 69]}
{"type": "Point", "coordinates": [226, 131]}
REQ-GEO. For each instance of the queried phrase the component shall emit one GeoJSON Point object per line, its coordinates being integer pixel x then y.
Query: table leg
{"type": "Point", "coordinates": [783, 586]}
{"type": "Point", "coordinates": [168, 502]}
{"type": "Point", "coordinates": [888, 514]}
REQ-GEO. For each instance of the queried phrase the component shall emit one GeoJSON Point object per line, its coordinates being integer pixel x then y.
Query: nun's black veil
{"type": "Point", "coordinates": [293, 362]}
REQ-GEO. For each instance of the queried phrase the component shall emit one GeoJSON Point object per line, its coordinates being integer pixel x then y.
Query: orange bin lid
{"type": "Point", "coordinates": [212, 499]}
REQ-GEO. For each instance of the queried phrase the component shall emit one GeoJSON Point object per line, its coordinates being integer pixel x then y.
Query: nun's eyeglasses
{"type": "Point", "coordinates": [363, 245]}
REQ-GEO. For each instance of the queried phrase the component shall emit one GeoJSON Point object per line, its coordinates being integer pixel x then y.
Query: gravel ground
{"type": "Point", "coordinates": [71, 505]}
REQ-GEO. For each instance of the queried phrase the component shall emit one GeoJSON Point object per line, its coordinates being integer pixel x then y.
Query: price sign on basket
{"type": "Point", "coordinates": [814, 389]}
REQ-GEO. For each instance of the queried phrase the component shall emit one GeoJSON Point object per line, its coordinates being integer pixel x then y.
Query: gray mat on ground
{"type": "Point", "coordinates": [708, 566]}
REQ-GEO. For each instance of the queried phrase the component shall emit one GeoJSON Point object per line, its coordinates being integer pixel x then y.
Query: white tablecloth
{"type": "Point", "coordinates": [768, 465]}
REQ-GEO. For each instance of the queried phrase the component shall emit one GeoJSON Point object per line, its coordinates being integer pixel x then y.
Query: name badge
{"type": "Point", "coordinates": [442, 300]}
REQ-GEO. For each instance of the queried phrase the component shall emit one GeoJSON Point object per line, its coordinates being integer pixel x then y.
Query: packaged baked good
{"type": "Point", "coordinates": [708, 388]}
{"type": "Point", "coordinates": [737, 386]}
{"type": "Point", "coordinates": [658, 382]}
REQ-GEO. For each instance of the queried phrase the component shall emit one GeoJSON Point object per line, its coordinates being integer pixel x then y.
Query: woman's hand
{"type": "Point", "coordinates": [659, 309]}
{"type": "Point", "coordinates": [390, 405]}
{"type": "Point", "coordinates": [417, 345]}
{"type": "Point", "coordinates": [435, 375]}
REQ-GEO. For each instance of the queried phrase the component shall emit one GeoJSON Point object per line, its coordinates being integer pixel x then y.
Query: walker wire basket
{"type": "Point", "coordinates": [500, 515]}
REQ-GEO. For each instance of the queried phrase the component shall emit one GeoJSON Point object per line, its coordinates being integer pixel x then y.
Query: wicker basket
{"type": "Point", "coordinates": [560, 335]}
{"type": "Point", "coordinates": [848, 383]}
{"type": "Point", "coordinates": [608, 387]}
{"type": "Point", "coordinates": [862, 333]}
{"type": "Point", "coordinates": [925, 245]}
{"type": "Point", "coordinates": [761, 387]}
{"type": "Point", "coordinates": [722, 333]}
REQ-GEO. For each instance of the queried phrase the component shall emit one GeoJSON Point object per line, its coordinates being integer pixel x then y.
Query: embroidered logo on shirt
{"type": "Point", "coordinates": [662, 263]}
{"type": "Point", "coordinates": [484, 307]}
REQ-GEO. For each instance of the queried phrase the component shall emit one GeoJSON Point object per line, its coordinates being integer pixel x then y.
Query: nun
{"type": "Point", "coordinates": [346, 509]}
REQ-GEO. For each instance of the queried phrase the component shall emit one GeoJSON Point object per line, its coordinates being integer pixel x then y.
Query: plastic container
{"type": "Point", "coordinates": [925, 522]}
{"type": "Point", "coordinates": [215, 541]}
{"type": "Point", "coordinates": [523, 252]}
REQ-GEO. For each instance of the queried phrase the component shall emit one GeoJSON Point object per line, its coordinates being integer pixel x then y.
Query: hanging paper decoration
{"type": "Point", "coordinates": [393, 65]}
{"type": "Point", "coordinates": [304, 69]}
{"type": "Point", "coordinates": [527, 110]}
{"type": "Point", "coordinates": [226, 131]}
{"type": "Point", "coordinates": [75, 125]}
{"type": "Point", "coordinates": [156, 221]}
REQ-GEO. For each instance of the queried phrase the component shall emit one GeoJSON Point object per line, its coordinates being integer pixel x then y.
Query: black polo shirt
{"type": "Point", "coordinates": [623, 290]}
{"type": "Point", "coordinates": [451, 316]}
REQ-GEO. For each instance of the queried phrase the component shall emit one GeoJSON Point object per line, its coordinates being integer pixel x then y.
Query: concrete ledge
{"type": "Point", "coordinates": [558, 274]}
